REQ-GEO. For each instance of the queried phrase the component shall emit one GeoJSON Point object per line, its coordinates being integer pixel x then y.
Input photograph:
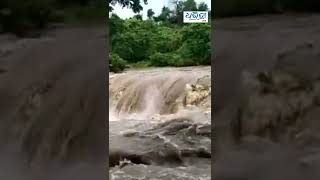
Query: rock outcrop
{"type": "Point", "coordinates": [177, 145]}
{"type": "Point", "coordinates": [199, 93]}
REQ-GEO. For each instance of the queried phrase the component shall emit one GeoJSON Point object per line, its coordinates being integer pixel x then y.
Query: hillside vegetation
{"type": "Point", "coordinates": [161, 40]}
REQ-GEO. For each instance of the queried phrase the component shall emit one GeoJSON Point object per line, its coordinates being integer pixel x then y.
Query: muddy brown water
{"type": "Point", "coordinates": [149, 125]}
{"type": "Point", "coordinates": [53, 103]}
{"type": "Point", "coordinates": [252, 44]}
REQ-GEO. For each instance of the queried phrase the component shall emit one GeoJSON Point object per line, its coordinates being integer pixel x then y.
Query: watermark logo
{"type": "Point", "coordinates": [195, 16]}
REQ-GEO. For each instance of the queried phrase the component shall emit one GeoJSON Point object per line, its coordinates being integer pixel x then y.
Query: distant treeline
{"type": "Point", "coordinates": [225, 8]}
{"type": "Point", "coordinates": [161, 40]}
{"type": "Point", "coordinates": [20, 16]}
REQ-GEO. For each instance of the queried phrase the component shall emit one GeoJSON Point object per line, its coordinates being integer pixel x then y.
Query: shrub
{"type": "Point", "coordinates": [166, 39]}
{"type": "Point", "coordinates": [140, 65]}
{"type": "Point", "coordinates": [116, 63]}
{"type": "Point", "coordinates": [196, 44]}
{"type": "Point", "coordinates": [135, 42]}
{"type": "Point", "coordinates": [166, 59]}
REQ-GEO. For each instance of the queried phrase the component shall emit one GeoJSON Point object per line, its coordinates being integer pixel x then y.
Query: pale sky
{"type": "Point", "coordinates": [155, 5]}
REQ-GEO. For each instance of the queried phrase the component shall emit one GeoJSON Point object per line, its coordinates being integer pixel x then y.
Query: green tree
{"type": "Point", "coordinates": [164, 15]}
{"type": "Point", "coordinates": [116, 25]}
{"type": "Point", "coordinates": [150, 13]}
{"type": "Point", "coordinates": [196, 45]}
{"type": "Point", "coordinates": [167, 39]}
{"type": "Point", "coordinates": [190, 5]}
{"type": "Point", "coordinates": [203, 7]}
{"type": "Point", "coordinates": [116, 64]}
{"type": "Point", "coordinates": [135, 5]}
{"type": "Point", "coordinates": [178, 12]}
{"type": "Point", "coordinates": [138, 16]}
{"type": "Point", "coordinates": [135, 43]}
{"type": "Point", "coordinates": [161, 44]}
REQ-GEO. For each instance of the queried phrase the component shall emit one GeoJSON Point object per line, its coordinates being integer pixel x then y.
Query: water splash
{"type": "Point", "coordinates": [150, 93]}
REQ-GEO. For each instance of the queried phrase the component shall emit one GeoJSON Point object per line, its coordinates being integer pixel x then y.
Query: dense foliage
{"type": "Point", "coordinates": [117, 64]}
{"type": "Point", "coordinates": [135, 5]}
{"type": "Point", "coordinates": [161, 40]}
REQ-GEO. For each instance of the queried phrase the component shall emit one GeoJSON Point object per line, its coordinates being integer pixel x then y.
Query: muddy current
{"type": "Point", "coordinates": [266, 112]}
{"type": "Point", "coordinates": [52, 106]}
{"type": "Point", "coordinates": [160, 124]}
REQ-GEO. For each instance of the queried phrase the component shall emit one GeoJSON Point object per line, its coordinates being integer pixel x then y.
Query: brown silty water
{"type": "Point", "coordinates": [53, 104]}
{"type": "Point", "coordinates": [154, 115]}
{"type": "Point", "coordinates": [144, 93]}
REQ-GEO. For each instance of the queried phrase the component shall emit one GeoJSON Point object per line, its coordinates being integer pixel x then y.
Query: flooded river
{"type": "Point", "coordinates": [160, 124]}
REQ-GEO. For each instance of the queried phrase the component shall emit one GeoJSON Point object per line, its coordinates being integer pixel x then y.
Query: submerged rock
{"type": "Point", "coordinates": [134, 171]}
{"type": "Point", "coordinates": [161, 137]}
{"type": "Point", "coordinates": [150, 92]}
{"type": "Point", "coordinates": [199, 93]}
{"type": "Point", "coordinates": [164, 146]}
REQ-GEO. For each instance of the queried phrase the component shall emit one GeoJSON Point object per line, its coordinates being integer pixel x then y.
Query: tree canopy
{"type": "Point", "coordinates": [135, 5]}
{"type": "Point", "coordinates": [160, 40]}
{"type": "Point", "coordinates": [150, 13]}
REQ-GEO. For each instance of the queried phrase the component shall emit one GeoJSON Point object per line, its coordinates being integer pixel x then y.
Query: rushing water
{"type": "Point", "coordinates": [160, 121]}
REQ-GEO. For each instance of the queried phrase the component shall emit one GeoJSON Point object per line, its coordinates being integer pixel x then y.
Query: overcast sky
{"type": "Point", "coordinates": [155, 5]}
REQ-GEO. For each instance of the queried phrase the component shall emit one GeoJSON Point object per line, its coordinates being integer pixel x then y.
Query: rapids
{"type": "Point", "coordinates": [160, 123]}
